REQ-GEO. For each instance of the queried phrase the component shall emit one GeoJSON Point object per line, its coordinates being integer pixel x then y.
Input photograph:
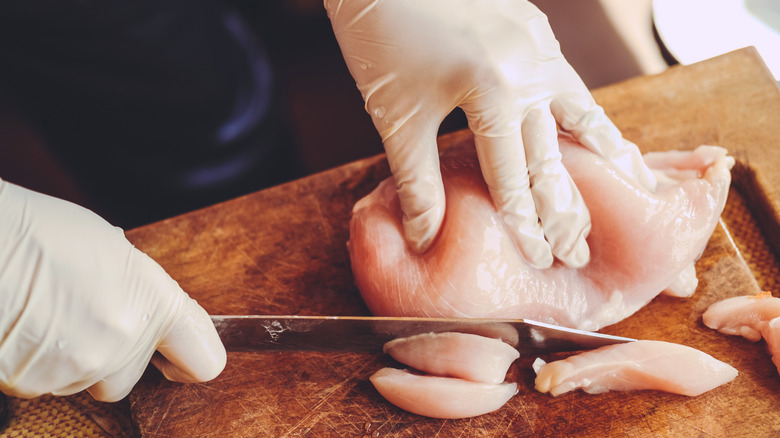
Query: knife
{"type": "Point", "coordinates": [369, 334]}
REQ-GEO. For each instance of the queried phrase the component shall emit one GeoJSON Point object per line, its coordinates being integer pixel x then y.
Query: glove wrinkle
{"type": "Point", "coordinates": [80, 307]}
{"type": "Point", "coordinates": [415, 61]}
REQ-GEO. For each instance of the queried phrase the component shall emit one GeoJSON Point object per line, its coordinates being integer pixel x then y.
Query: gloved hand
{"type": "Point", "coordinates": [81, 308]}
{"type": "Point", "coordinates": [414, 61]}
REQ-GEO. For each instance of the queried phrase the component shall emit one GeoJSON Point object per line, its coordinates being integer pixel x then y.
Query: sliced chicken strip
{"type": "Point", "coordinates": [639, 365]}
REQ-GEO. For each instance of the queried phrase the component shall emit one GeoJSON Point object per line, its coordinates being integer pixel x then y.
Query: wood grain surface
{"type": "Point", "coordinates": [283, 250]}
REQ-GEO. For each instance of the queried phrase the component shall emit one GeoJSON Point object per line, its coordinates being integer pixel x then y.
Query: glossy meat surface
{"type": "Point", "coordinates": [745, 316]}
{"type": "Point", "coordinates": [752, 317]}
{"type": "Point", "coordinates": [635, 366]}
{"type": "Point", "coordinates": [440, 397]}
{"type": "Point", "coordinates": [465, 356]}
{"type": "Point", "coordinates": [465, 374]}
{"type": "Point", "coordinates": [641, 243]}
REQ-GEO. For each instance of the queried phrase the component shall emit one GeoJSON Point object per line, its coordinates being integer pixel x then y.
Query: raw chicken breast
{"type": "Point", "coordinates": [751, 317]}
{"type": "Point", "coordinates": [440, 397]}
{"type": "Point", "coordinates": [635, 365]}
{"type": "Point", "coordinates": [640, 243]}
{"type": "Point", "coordinates": [466, 356]}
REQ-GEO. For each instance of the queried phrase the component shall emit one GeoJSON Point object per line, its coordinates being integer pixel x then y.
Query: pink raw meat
{"type": "Point", "coordinates": [636, 365]}
{"type": "Point", "coordinates": [641, 243]}
{"type": "Point", "coordinates": [465, 374]}
{"type": "Point", "coordinates": [440, 397]}
{"type": "Point", "coordinates": [460, 355]}
{"type": "Point", "coordinates": [751, 317]}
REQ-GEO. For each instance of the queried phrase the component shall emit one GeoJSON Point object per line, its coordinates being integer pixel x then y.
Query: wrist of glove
{"type": "Point", "coordinates": [81, 308]}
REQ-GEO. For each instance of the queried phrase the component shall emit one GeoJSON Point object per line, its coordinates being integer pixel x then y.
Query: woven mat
{"type": "Point", "coordinates": [78, 415]}
{"type": "Point", "coordinates": [751, 243]}
{"type": "Point", "coordinates": [81, 416]}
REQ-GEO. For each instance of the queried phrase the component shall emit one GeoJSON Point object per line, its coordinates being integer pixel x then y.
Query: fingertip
{"type": "Point", "coordinates": [540, 257]}
{"type": "Point", "coordinates": [533, 247]}
{"type": "Point", "coordinates": [103, 393]}
{"type": "Point", "coordinates": [419, 186]}
{"type": "Point", "coordinates": [578, 255]}
{"type": "Point", "coordinates": [684, 284]}
{"type": "Point", "coordinates": [118, 385]}
{"type": "Point", "coordinates": [423, 214]}
{"type": "Point", "coordinates": [421, 231]}
{"type": "Point", "coordinates": [178, 374]}
{"type": "Point", "coordinates": [192, 349]}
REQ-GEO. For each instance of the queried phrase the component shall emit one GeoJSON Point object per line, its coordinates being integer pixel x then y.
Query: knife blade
{"type": "Point", "coordinates": [369, 334]}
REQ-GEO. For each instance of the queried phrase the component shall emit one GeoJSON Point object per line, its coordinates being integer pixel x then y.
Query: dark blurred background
{"type": "Point", "coordinates": [137, 154]}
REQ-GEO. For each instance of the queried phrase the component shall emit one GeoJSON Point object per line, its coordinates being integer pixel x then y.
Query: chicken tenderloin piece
{"type": "Point", "coordinates": [440, 397]}
{"type": "Point", "coordinates": [465, 374]}
{"type": "Point", "coordinates": [641, 243]}
{"type": "Point", "coordinates": [639, 365]}
{"type": "Point", "coordinates": [751, 317]}
{"type": "Point", "coordinates": [461, 355]}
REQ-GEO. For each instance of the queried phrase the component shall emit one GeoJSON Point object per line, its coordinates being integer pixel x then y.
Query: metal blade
{"type": "Point", "coordinates": [369, 334]}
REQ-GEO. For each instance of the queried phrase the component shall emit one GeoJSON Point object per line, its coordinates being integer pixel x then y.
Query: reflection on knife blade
{"type": "Point", "coordinates": [369, 334]}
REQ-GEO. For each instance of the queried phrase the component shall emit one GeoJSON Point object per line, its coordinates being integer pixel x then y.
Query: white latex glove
{"type": "Point", "coordinates": [414, 61]}
{"type": "Point", "coordinates": [81, 308]}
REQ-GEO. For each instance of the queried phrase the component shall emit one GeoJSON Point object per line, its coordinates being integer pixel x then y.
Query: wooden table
{"type": "Point", "coordinates": [282, 250]}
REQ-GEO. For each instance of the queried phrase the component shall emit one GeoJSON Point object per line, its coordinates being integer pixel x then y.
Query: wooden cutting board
{"type": "Point", "coordinates": [282, 250]}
